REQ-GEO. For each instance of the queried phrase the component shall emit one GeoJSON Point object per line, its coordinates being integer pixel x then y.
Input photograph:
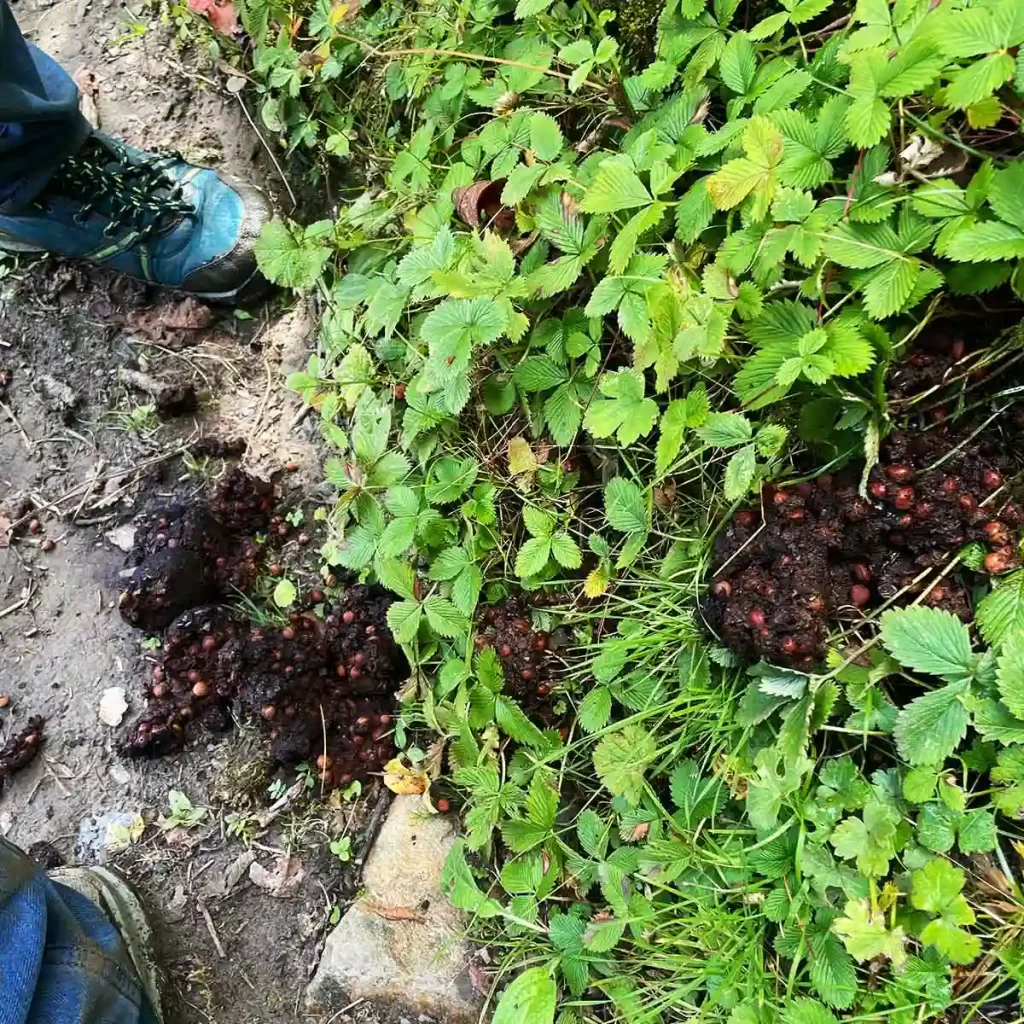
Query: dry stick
{"type": "Point", "coordinates": [211, 929]}
{"type": "Point", "coordinates": [465, 55]}
{"type": "Point", "coordinates": [266, 146]}
{"type": "Point", "coordinates": [9, 412]}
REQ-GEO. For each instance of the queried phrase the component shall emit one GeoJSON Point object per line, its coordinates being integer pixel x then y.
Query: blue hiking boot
{"type": "Point", "coordinates": [151, 216]}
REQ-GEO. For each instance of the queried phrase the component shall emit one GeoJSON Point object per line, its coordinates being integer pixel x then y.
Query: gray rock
{"type": "Point", "coordinates": [402, 942]}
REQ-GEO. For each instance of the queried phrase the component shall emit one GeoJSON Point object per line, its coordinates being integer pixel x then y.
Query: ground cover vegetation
{"type": "Point", "coordinates": [668, 359]}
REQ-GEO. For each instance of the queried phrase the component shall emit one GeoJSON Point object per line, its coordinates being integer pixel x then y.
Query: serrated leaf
{"type": "Point", "coordinates": [533, 557]}
{"type": "Point", "coordinates": [625, 507]}
{"type": "Point", "coordinates": [726, 430]}
{"type": "Point", "coordinates": [565, 550]}
{"type": "Point", "coordinates": [1010, 672]}
{"type": "Point", "coordinates": [444, 618]}
{"type": "Point", "coordinates": [931, 726]}
{"type": "Point", "coordinates": [623, 412]}
{"type": "Point", "coordinates": [615, 187]}
{"type": "Point", "coordinates": [1002, 611]}
{"type": "Point", "coordinates": [621, 759]}
{"type": "Point", "coordinates": [532, 996]}
{"type": "Point", "coordinates": [739, 472]}
{"type": "Point", "coordinates": [929, 640]}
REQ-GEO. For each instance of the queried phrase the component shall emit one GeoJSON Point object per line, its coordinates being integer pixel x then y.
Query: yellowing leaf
{"type": "Point", "coordinates": [754, 174]}
{"type": "Point", "coordinates": [520, 456]}
{"type": "Point", "coordinates": [596, 582]}
{"type": "Point", "coordinates": [404, 780]}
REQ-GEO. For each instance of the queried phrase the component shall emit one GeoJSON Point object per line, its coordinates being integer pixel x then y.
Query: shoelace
{"type": "Point", "coordinates": [137, 195]}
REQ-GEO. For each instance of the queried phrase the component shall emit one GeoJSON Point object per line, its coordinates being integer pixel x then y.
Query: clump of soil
{"type": "Point", "coordinates": [21, 748]}
{"type": "Point", "coordinates": [523, 651]}
{"type": "Point", "coordinates": [819, 551]}
{"type": "Point", "coordinates": [322, 690]}
{"type": "Point", "coordinates": [190, 554]}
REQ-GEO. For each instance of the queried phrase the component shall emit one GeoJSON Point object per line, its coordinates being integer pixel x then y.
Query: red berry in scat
{"type": "Point", "coordinates": [316, 596]}
{"type": "Point", "coordinates": [275, 569]}
{"type": "Point", "coordinates": [526, 674]}
{"type": "Point", "coordinates": [359, 658]}
{"type": "Point", "coordinates": [877, 489]}
{"type": "Point", "coordinates": [160, 690]}
{"type": "Point", "coordinates": [348, 617]}
{"type": "Point", "coordinates": [303, 538]}
{"type": "Point", "coordinates": [158, 672]}
{"type": "Point", "coordinates": [816, 604]}
{"type": "Point", "coordinates": [756, 618]}
{"type": "Point", "coordinates": [900, 473]}
{"type": "Point", "coordinates": [193, 676]}
{"type": "Point", "coordinates": [370, 630]}
{"type": "Point", "coordinates": [904, 497]}
{"type": "Point", "coordinates": [521, 625]}
{"type": "Point", "coordinates": [543, 689]}
{"type": "Point", "coordinates": [443, 805]}
{"type": "Point", "coordinates": [764, 632]}
{"type": "Point", "coordinates": [781, 497]}
{"type": "Point", "coordinates": [936, 595]}
{"type": "Point", "coordinates": [269, 712]}
{"type": "Point", "coordinates": [200, 689]}
{"type": "Point", "coordinates": [948, 485]}
{"type": "Point", "coordinates": [355, 673]}
{"type": "Point", "coordinates": [968, 503]}
{"type": "Point", "coordinates": [209, 643]}
{"type": "Point", "coordinates": [385, 721]}
{"type": "Point", "coordinates": [861, 572]}
{"type": "Point", "coordinates": [745, 518]}
{"type": "Point", "coordinates": [340, 670]}
{"type": "Point", "coordinates": [997, 533]}
{"type": "Point", "coordinates": [998, 561]}
{"type": "Point", "coordinates": [506, 651]}
{"type": "Point", "coordinates": [905, 520]}
{"type": "Point", "coordinates": [288, 633]}
{"type": "Point", "coordinates": [957, 350]}
{"type": "Point", "coordinates": [721, 588]}
{"type": "Point", "coordinates": [789, 645]}
{"type": "Point", "coordinates": [991, 479]}
{"type": "Point", "coordinates": [859, 595]}
{"type": "Point", "coordinates": [922, 510]}
{"type": "Point", "coordinates": [540, 642]}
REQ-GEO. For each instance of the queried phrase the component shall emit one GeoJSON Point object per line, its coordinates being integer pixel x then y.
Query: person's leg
{"type": "Point", "coordinates": [40, 123]}
{"type": "Point", "coordinates": [62, 958]}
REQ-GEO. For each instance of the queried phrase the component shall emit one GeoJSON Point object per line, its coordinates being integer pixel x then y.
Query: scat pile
{"type": "Point", "coordinates": [820, 552]}
{"type": "Point", "coordinates": [321, 689]}
{"type": "Point", "coordinates": [522, 650]}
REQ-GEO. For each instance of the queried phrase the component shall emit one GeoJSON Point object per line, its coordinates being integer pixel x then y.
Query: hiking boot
{"type": "Point", "coordinates": [151, 216]}
{"type": "Point", "coordinates": [111, 892]}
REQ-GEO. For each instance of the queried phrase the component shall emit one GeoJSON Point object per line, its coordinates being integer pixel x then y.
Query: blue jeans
{"type": "Point", "coordinates": [40, 123]}
{"type": "Point", "coordinates": [61, 959]}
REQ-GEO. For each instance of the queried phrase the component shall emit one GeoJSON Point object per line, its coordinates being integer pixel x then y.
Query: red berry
{"type": "Point", "coordinates": [900, 473]}
{"type": "Point", "coordinates": [991, 479]}
{"type": "Point", "coordinates": [861, 572]}
{"type": "Point", "coordinates": [877, 489]}
{"type": "Point", "coordinates": [790, 645]}
{"type": "Point", "coordinates": [968, 503]}
{"type": "Point", "coordinates": [997, 533]}
{"type": "Point", "coordinates": [998, 561]}
{"type": "Point", "coordinates": [756, 617]}
{"type": "Point", "coordinates": [348, 617]}
{"type": "Point", "coordinates": [796, 515]}
{"type": "Point", "coordinates": [721, 588]}
{"type": "Point", "coordinates": [957, 350]}
{"type": "Point", "coordinates": [745, 518]}
{"type": "Point", "coordinates": [288, 633]}
{"type": "Point", "coordinates": [904, 497]}
{"type": "Point", "coordinates": [505, 650]}
{"type": "Point", "coordinates": [200, 689]}
{"type": "Point", "coordinates": [443, 805]}
{"type": "Point", "coordinates": [859, 595]}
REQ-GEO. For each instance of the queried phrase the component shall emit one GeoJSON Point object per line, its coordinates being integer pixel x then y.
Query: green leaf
{"type": "Point", "coordinates": [514, 723]}
{"type": "Point", "coordinates": [290, 257]}
{"type": "Point", "coordinates": [865, 936]}
{"type": "Point", "coordinates": [539, 373]}
{"type": "Point", "coordinates": [444, 618]}
{"type": "Point", "coordinates": [931, 726]}
{"type": "Point", "coordinates": [739, 473]}
{"type": "Point", "coordinates": [1006, 194]}
{"type": "Point", "coordinates": [623, 412]}
{"type": "Point", "coordinates": [1002, 611]}
{"type": "Point", "coordinates": [621, 759]}
{"type": "Point", "coordinates": [833, 974]}
{"type": "Point", "coordinates": [615, 187]}
{"type": "Point", "coordinates": [726, 429]}
{"type": "Point", "coordinates": [929, 640]}
{"type": "Point", "coordinates": [449, 479]}
{"type": "Point", "coordinates": [1010, 673]}
{"type": "Point", "coordinates": [566, 550]}
{"type": "Point", "coordinates": [977, 832]}
{"type": "Point", "coordinates": [979, 79]}
{"type": "Point", "coordinates": [738, 64]}
{"type": "Point", "coordinates": [545, 137]}
{"type": "Point", "coordinates": [936, 888]}
{"type": "Point", "coordinates": [981, 243]}
{"type": "Point", "coordinates": [404, 620]}
{"type": "Point", "coordinates": [533, 557]}
{"type": "Point", "coordinates": [531, 997]}
{"type": "Point", "coordinates": [285, 594]}
{"type": "Point", "coordinates": [807, 1011]}
{"type": "Point", "coordinates": [625, 506]}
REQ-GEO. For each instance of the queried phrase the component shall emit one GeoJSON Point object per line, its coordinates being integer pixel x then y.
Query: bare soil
{"type": "Point", "coordinates": [82, 454]}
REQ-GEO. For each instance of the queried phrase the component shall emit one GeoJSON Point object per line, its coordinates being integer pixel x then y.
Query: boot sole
{"type": "Point", "coordinates": [249, 291]}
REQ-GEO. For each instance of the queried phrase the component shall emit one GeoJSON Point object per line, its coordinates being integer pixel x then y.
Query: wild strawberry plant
{"type": "Point", "coordinates": [597, 272]}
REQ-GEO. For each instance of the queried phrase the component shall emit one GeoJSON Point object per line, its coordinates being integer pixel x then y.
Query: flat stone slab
{"type": "Point", "coordinates": [401, 944]}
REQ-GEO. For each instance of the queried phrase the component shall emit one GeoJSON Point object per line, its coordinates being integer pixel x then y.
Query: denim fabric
{"type": "Point", "coordinates": [39, 119]}
{"type": "Point", "coordinates": [61, 959]}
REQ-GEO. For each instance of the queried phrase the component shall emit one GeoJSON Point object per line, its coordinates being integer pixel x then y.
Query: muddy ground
{"type": "Point", "coordinates": [79, 444]}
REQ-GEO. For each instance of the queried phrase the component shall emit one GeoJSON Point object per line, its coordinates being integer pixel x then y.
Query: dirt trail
{"type": "Point", "coordinates": [80, 447]}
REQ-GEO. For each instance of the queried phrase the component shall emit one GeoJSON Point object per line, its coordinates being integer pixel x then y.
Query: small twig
{"type": "Point", "coordinates": [14, 419]}
{"type": "Point", "coordinates": [211, 929]}
{"type": "Point", "coordinates": [266, 146]}
{"type": "Point", "coordinates": [17, 606]}
{"type": "Point", "coordinates": [374, 825]}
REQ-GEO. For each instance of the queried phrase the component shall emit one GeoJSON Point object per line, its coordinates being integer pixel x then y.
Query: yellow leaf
{"type": "Point", "coordinates": [404, 780]}
{"type": "Point", "coordinates": [520, 456]}
{"type": "Point", "coordinates": [597, 582]}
